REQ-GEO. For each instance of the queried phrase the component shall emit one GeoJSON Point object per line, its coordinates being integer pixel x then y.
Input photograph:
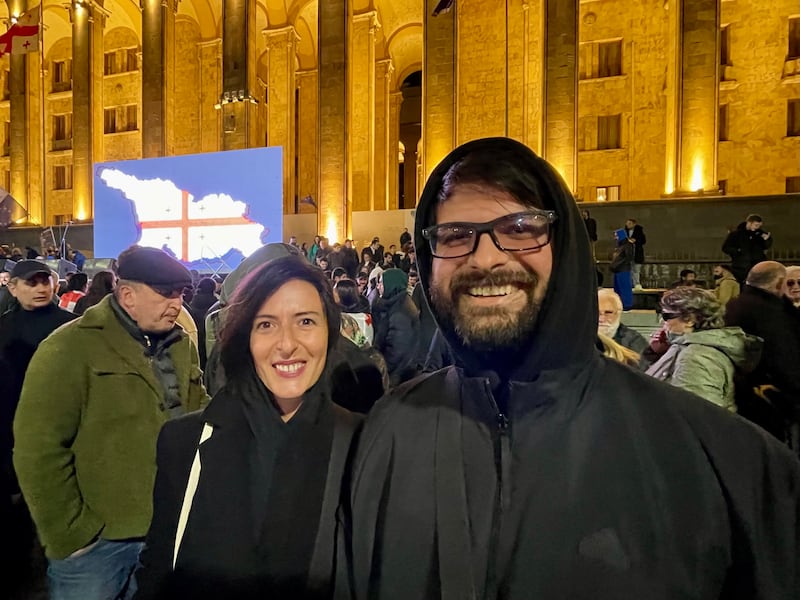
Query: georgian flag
{"type": "Point", "coordinates": [23, 36]}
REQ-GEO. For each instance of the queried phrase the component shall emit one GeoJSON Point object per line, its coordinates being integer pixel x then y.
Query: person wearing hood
{"type": "Point", "coordinates": [396, 326]}
{"type": "Point", "coordinates": [704, 355]}
{"type": "Point", "coordinates": [247, 490]}
{"type": "Point", "coordinates": [536, 467]}
{"type": "Point", "coordinates": [213, 374]}
{"type": "Point", "coordinates": [371, 292]}
{"type": "Point", "coordinates": [621, 265]}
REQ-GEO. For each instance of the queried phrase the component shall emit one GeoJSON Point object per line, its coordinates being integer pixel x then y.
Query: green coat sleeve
{"type": "Point", "coordinates": [45, 427]}
{"type": "Point", "coordinates": [702, 371]}
{"type": "Point", "coordinates": [198, 397]}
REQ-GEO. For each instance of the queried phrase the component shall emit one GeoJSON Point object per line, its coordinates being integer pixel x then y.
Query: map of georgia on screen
{"type": "Point", "coordinates": [209, 216]}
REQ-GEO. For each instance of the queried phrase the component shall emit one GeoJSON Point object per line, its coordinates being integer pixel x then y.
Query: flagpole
{"type": "Point", "coordinates": [41, 112]}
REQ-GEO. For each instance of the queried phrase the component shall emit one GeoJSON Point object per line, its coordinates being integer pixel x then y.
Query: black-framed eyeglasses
{"type": "Point", "coordinates": [517, 232]}
{"type": "Point", "coordinates": [792, 282]}
{"type": "Point", "coordinates": [668, 316]}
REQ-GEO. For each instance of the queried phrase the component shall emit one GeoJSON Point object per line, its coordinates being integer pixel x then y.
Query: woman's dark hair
{"type": "Point", "coordinates": [206, 286]}
{"type": "Point", "coordinates": [77, 282]}
{"type": "Point", "coordinates": [252, 292]}
{"type": "Point", "coordinates": [347, 290]}
{"type": "Point", "coordinates": [102, 285]}
{"type": "Point", "coordinates": [338, 272]}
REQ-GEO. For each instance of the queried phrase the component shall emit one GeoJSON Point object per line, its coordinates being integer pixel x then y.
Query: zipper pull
{"type": "Point", "coordinates": [502, 422]}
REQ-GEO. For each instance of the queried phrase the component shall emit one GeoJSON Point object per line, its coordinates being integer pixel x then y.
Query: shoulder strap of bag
{"type": "Point", "coordinates": [188, 497]}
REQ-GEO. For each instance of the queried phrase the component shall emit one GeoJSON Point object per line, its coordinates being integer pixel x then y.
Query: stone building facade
{"type": "Point", "coordinates": [629, 99]}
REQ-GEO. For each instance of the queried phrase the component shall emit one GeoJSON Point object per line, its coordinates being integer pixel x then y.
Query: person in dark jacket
{"type": "Point", "coordinates": [747, 245]}
{"type": "Point", "coordinates": [103, 283]}
{"type": "Point", "coordinates": [621, 265]}
{"type": "Point", "coordinates": [610, 324]}
{"type": "Point", "coordinates": [21, 331]}
{"type": "Point", "coordinates": [203, 300]}
{"type": "Point", "coordinates": [247, 490]}
{"type": "Point", "coordinates": [636, 236]}
{"type": "Point", "coordinates": [396, 326]}
{"type": "Point", "coordinates": [772, 394]}
{"type": "Point", "coordinates": [591, 229]}
{"type": "Point", "coordinates": [535, 467]}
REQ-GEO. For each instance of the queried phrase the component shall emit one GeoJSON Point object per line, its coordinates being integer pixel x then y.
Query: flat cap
{"type": "Point", "coordinates": [25, 269]}
{"type": "Point", "coordinates": [153, 267]}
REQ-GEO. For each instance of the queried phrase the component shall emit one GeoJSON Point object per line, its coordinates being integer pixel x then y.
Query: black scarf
{"type": "Point", "coordinates": [156, 349]}
{"type": "Point", "coordinates": [288, 468]}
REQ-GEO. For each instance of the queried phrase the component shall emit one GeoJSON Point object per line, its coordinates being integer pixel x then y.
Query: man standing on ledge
{"type": "Point", "coordinates": [637, 238]}
{"type": "Point", "coordinates": [535, 467]}
{"type": "Point", "coordinates": [747, 246]}
{"type": "Point", "coordinates": [85, 449]}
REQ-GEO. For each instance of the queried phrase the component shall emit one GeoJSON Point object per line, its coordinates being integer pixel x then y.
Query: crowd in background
{"type": "Point", "coordinates": [736, 345]}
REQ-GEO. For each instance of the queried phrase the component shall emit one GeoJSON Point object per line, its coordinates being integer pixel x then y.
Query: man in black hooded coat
{"type": "Point", "coordinates": [538, 468]}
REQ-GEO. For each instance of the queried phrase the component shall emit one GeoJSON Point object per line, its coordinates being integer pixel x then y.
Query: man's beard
{"type": "Point", "coordinates": [609, 329]}
{"type": "Point", "coordinates": [487, 329]}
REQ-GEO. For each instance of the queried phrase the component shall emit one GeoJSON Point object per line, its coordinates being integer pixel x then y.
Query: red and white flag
{"type": "Point", "coordinates": [23, 36]}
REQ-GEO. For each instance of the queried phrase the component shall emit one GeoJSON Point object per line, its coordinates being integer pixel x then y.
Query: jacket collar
{"type": "Point", "coordinates": [116, 341]}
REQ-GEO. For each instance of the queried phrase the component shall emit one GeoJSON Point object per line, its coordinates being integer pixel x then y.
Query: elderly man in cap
{"type": "Point", "coordinates": [33, 316]}
{"type": "Point", "coordinates": [85, 452]}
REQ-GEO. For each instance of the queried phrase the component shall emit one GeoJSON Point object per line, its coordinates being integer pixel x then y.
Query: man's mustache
{"type": "Point", "coordinates": [460, 282]}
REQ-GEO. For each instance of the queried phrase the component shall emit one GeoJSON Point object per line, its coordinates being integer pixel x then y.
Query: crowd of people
{"type": "Point", "coordinates": [422, 421]}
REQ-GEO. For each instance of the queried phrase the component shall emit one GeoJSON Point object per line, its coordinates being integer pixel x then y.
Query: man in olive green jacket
{"type": "Point", "coordinates": [94, 399]}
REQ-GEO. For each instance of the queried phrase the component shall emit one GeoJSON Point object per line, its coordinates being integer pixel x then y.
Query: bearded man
{"type": "Point", "coordinates": [609, 322]}
{"type": "Point", "coordinates": [535, 467]}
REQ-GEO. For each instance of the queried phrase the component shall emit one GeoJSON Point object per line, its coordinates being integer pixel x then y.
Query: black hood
{"type": "Point", "coordinates": [566, 328]}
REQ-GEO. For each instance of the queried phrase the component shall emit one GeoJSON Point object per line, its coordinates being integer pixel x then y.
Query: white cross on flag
{"type": "Point", "coordinates": [23, 36]}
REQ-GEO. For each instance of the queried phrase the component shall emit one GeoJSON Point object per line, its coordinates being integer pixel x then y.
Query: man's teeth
{"type": "Point", "coordinates": [292, 368]}
{"type": "Point", "coordinates": [491, 291]}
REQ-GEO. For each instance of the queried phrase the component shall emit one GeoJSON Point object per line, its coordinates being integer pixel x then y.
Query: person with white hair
{"type": "Point", "coordinates": [609, 322]}
{"type": "Point", "coordinates": [791, 286]}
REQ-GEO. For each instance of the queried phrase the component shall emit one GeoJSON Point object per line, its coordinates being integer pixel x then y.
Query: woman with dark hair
{"type": "Point", "coordinates": [345, 291]}
{"type": "Point", "coordinates": [703, 355]}
{"type": "Point", "coordinates": [102, 285]}
{"type": "Point", "coordinates": [246, 490]}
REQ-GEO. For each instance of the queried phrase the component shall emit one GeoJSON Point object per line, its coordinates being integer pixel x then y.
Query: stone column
{"type": "Point", "coordinates": [438, 82]}
{"type": "Point", "coordinates": [692, 146]}
{"type": "Point", "coordinates": [306, 138]}
{"type": "Point", "coordinates": [334, 210]}
{"type": "Point", "coordinates": [482, 70]}
{"type": "Point", "coordinates": [281, 48]}
{"type": "Point", "coordinates": [561, 87]}
{"type": "Point", "coordinates": [158, 67]}
{"type": "Point", "coordinates": [392, 163]}
{"type": "Point", "coordinates": [239, 114]}
{"type": "Point", "coordinates": [361, 112]}
{"type": "Point", "coordinates": [87, 62]}
{"type": "Point", "coordinates": [26, 185]}
{"type": "Point", "coordinates": [209, 57]}
{"type": "Point", "coordinates": [383, 89]}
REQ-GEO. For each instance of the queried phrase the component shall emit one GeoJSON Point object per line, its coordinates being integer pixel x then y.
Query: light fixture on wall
{"type": "Point", "coordinates": [235, 96]}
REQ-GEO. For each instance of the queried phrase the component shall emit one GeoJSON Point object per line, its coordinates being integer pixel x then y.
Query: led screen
{"type": "Point", "coordinates": [208, 210]}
